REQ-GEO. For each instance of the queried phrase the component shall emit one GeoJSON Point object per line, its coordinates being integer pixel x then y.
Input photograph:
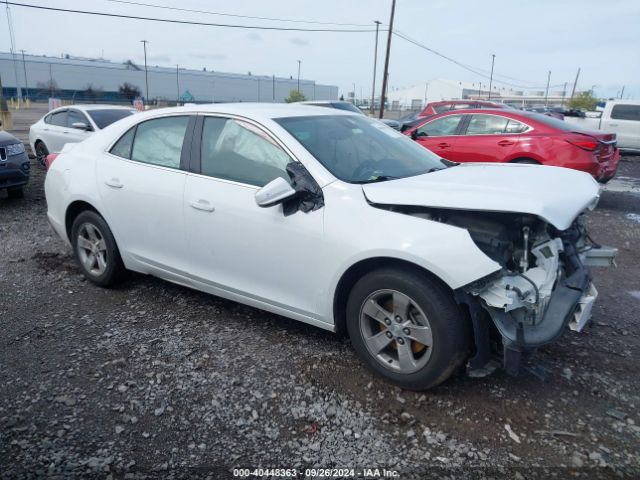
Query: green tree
{"type": "Point", "coordinates": [129, 91]}
{"type": "Point", "coordinates": [295, 96]}
{"type": "Point", "coordinates": [583, 101]}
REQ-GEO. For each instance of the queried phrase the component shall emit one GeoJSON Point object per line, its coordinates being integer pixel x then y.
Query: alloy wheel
{"type": "Point", "coordinates": [396, 331]}
{"type": "Point", "coordinates": [92, 249]}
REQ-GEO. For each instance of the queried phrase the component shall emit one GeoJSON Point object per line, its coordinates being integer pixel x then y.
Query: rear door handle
{"type": "Point", "coordinates": [505, 143]}
{"type": "Point", "coordinates": [202, 204]}
{"type": "Point", "coordinates": [444, 145]}
{"type": "Point", "coordinates": [114, 183]}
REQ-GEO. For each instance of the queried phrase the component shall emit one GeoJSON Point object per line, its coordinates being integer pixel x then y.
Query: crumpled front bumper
{"type": "Point", "coordinates": [568, 304]}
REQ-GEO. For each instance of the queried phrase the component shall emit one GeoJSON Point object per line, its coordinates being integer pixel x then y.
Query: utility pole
{"type": "Point", "coordinates": [385, 75]}
{"type": "Point", "coordinates": [375, 64]}
{"type": "Point", "coordinates": [26, 82]}
{"type": "Point", "coordinates": [622, 93]}
{"type": "Point", "coordinates": [299, 62]}
{"type": "Point", "coordinates": [493, 59]}
{"type": "Point", "coordinates": [354, 93]}
{"type": "Point", "coordinates": [546, 91]}
{"type": "Point", "coordinates": [146, 73]}
{"type": "Point", "coordinates": [177, 86]}
{"type": "Point", "coordinates": [575, 83]}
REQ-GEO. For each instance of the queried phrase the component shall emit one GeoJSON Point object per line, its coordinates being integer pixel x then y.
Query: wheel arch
{"type": "Point", "coordinates": [362, 267]}
{"type": "Point", "coordinates": [515, 158]}
{"type": "Point", "coordinates": [74, 209]}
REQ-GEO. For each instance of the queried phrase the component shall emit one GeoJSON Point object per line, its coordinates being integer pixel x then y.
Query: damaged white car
{"type": "Point", "coordinates": [336, 220]}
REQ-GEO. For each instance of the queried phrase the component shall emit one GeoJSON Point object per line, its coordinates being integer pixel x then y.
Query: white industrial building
{"type": "Point", "coordinates": [416, 96]}
{"type": "Point", "coordinates": [71, 77]}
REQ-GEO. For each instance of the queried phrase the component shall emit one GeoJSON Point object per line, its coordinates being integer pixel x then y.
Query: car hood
{"type": "Point", "coordinates": [557, 195]}
{"type": "Point", "coordinates": [7, 139]}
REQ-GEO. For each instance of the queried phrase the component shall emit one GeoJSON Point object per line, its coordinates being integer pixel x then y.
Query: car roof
{"type": "Point", "coordinates": [252, 110]}
{"type": "Point", "coordinates": [93, 106]}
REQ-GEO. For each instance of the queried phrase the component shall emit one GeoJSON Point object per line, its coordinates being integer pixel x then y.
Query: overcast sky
{"type": "Point", "coordinates": [528, 38]}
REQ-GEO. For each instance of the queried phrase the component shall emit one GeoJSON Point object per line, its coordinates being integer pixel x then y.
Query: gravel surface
{"type": "Point", "coordinates": [153, 380]}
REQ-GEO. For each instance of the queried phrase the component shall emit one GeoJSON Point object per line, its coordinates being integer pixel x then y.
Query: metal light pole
{"type": "Point", "coordinates": [546, 91]}
{"type": "Point", "coordinates": [26, 82]}
{"type": "Point", "coordinates": [299, 62]}
{"type": "Point", "coordinates": [493, 59]}
{"type": "Point", "coordinates": [177, 86]}
{"type": "Point", "coordinates": [385, 75]}
{"type": "Point", "coordinates": [146, 74]}
{"type": "Point", "coordinates": [375, 64]}
{"type": "Point", "coordinates": [575, 83]}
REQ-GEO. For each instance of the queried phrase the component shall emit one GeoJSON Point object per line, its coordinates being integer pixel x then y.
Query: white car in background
{"type": "Point", "coordinates": [621, 117]}
{"type": "Point", "coordinates": [71, 124]}
{"type": "Point", "coordinates": [333, 219]}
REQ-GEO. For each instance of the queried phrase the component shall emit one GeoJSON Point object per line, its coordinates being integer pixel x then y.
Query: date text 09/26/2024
{"type": "Point", "coordinates": [366, 473]}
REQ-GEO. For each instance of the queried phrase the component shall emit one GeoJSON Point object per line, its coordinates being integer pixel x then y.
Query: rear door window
{"type": "Point", "coordinates": [159, 141]}
{"type": "Point", "coordinates": [626, 112]}
{"type": "Point", "coordinates": [59, 119]}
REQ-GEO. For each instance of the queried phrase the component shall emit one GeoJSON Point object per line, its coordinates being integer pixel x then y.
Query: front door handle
{"type": "Point", "coordinates": [505, 143]}
{"type": "Point", "coordinates": [202, 204]}
{"type": "Point", "coordinates": [113, 183]}
{"type": "Point", "coordinates": [444, 145]}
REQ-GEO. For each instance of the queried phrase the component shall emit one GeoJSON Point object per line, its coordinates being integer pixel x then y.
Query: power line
{"type": "Point", "coordinates": [187, 22]}
{"type": "Point", "coordinates": [474, 70]}
{"type": "Point", "coordinates": [209, 12]}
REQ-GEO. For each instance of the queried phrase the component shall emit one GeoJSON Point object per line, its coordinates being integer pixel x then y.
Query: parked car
{"type": "Point", "coordinates": [621, 117]}
{"type": "Point", "coordinates": [14, 165]}
{"type": "Point", "coordinates": [548, 111]}
{"type": "Point", "coordinates": [433, 108]}
{"type": "Point", "coordinates": [333, 219]}
{"type": "Point", "coordinates": [71, 125]}
{"type": "Point", "coordinates": [510, 136]}
{"type": "Point", "coordinates": [349, 107]}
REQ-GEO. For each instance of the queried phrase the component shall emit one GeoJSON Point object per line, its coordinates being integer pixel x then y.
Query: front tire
{"type": "Point", "coordinates": [95, 250]}
{"type": "Point", "coordinates": [407, 327]}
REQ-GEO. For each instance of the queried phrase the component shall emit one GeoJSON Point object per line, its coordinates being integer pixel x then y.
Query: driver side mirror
{"type": "Point", "coordinates": [274, 192]}
{"type": "Point", "coordinates": [415, 134]}
{"type": "Point", "coordinates": [80, 125]}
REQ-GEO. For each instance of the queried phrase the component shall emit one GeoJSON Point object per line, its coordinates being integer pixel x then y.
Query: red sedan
{"type": "Point", "coordinates": [483, 135]}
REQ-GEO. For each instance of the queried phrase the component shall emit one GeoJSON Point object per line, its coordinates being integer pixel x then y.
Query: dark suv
{"type": "Point", "coordinates": [14, 165]}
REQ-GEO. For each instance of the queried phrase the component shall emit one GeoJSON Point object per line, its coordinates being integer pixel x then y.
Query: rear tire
{"type": "Point", "coordinates": [389, 309]}
{"type": "Point", "coordinates": [95, 250]}
{"type": "Point", "coordinates": [15, 193]}
{"type": "Point", "coordinates": [41, 152]}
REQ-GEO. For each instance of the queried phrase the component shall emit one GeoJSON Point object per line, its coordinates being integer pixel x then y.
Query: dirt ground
{"type": "Point", "coordinates": [153, 380]}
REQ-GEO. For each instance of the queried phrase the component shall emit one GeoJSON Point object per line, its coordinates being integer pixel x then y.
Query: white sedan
{"type": "Point", "coordinates": [336, 220]}
{"type": "Point", "coordinates": [71, 124]}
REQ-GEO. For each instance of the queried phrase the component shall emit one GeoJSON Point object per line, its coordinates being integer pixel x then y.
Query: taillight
{"type": "Point", "coordinates": [588, 143]}
{"type": "Point", "coordinates": [49, 160]}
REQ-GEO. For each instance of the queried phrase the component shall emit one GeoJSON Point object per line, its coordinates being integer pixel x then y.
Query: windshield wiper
{"type": "Point", "coordinates": [380, 178]}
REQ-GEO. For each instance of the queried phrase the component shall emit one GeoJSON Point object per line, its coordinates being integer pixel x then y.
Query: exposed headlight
{"type": "Point", "coordinates": [14, 149]}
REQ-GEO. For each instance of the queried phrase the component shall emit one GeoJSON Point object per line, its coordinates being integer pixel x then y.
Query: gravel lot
{"type": "Point", "coordinates": [154, 380]}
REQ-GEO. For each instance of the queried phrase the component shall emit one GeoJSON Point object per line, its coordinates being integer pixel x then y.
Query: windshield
{"type": "Point", "coordinates": [104, 118]}
{"type": "Point", "coordinates": [358, 149]}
